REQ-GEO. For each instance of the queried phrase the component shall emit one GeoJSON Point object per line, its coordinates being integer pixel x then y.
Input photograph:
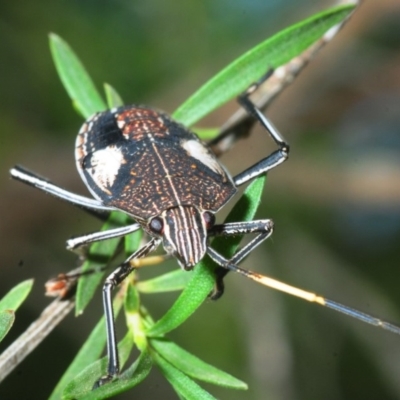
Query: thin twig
{"type": "Point", "coordinates": [51, 316]}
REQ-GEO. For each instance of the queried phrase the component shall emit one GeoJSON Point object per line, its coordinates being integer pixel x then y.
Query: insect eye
{"type": "Point", "coordinates": [209, 219]}
{"type": "Point", "coordinates": [156, 225]}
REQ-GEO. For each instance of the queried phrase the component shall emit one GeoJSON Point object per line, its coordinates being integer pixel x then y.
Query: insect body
{"type": "Point", "coordinates": [142, 162]}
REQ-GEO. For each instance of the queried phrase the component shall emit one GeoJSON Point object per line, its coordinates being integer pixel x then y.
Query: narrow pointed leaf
{"type": "Point", "coordinates": [132, 300]}
{"type": "Point", "coordinates": [100, 254]}
{"type": "Point", "coordinates": [169, 282]}
{"type": "Point", "coordinates": [16, 296]}
{"type": "Point", "coordinates": [183, 385]}
{"type": "Point", "coordinates": [190, 299]}
{"type": "Point", "coordinates": [7, 318]}
{"type": "Point", "coordinates": [251, 66]}
{"type": "Point", "coordinates": [133, 317]}
{"type": "Point", "coordinates": [193, 366]}
{"type": "Point", "coordinates": [203, 277]}
{"type": "Point", "coordinates": [75, 79]}
{"type": "Point", "coordinates": [112, 96]}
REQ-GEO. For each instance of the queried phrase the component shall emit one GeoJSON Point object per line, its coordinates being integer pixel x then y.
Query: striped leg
{"type": "Point", "coordinates": [226, 139]}
{"type": "Point", "coordinates": [76, 242]}
{"type": "Point", "coordinates": [274, 159]}
{"type": "Point", "coordinates": [230, 134]}
{"type": "Point", "coordinates": [263, 227]}
{"type": "Point", "coordinates": [113, 280]}
{"type": "Point", "coordinates": [92, 206]}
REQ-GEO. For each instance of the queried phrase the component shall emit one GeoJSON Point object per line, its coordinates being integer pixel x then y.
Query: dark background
{"type": "Point", "coordinates": [335, 203]}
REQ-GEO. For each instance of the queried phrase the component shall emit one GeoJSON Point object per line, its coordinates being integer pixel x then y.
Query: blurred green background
{"type": "Point", "coordinates": [335, 203]}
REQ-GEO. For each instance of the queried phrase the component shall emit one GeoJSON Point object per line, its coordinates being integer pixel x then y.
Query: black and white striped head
{"type": "Point", "coordinates": [184, 233]}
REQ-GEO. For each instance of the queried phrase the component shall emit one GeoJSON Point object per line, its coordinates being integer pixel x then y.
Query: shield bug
{"type": "Point", "coordinates": [138, 160]}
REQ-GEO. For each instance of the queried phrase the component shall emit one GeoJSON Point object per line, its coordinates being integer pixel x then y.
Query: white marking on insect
{"type": "Point", "coordinates": [197, 150]}
{"type": "Point", "coordinates": [120, 123]}
{"type": "Point", "coordinates": [105, 164]}
{"type": "Point", "coordinates": [83, 129]}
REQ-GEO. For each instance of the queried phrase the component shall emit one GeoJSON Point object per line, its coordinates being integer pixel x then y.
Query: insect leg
{"type": "Point", "coordinates": [231, 131]}
{"type": "Point", "coordinates": [91, 205]}
{"type": "Point", "coordinates": [239, 228]}
{"type": "Point", "coordinates": [113, 280]}
{"type": "Point", "coordinates": [76, 242]}
{"type": "Point", "coordinates": [274, 159]}
{"type": "Point", "coordinates": [263, 227]}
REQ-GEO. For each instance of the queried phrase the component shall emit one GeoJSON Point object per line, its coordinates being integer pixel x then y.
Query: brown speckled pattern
{"type": "Point", "coordinates": [157, 172]}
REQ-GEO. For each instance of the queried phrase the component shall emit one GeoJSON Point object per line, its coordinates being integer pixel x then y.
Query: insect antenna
{"type": "Point", "coordinates": [303, 294]}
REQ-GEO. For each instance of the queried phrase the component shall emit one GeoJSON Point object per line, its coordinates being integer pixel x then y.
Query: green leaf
{"type": "Point", "coordinates": [16, 296]}
{"type": "Point", "coordinates": [135, 374]}
{"type": "Point", "coordinates": [132, 300]}
{"type": "Point", "coordinates": [133, 317]}
{"type": "Point", "coordinates": [7, 318]}
{"type": "Point", "coordinates": [75, 79]}
{"type": "Point", "coordinates": [190, 299]}
{"type": "Point", "coordinates": [183, 385]}
{"type": "Point", "coordinates": [100, 254]}
{"type": "Point", "coordinates": [203, 277]}
{"type": "Point", "coordinates": [206, 133]}
{"type": "Point", "coordinates": [84, 381]}
{"type": "Point", "coordinates": [169, 282]}
{"type": "Point", "coordinates": [89, 352]}
{"type": "Point", "coordinates": [251, 66]}
{"type": "Point", "coordinates": [193, 366]}
{"type": "Point", "coordinates": [112, 97]}
{"type": "Point", "coordinates": [132, 242]}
